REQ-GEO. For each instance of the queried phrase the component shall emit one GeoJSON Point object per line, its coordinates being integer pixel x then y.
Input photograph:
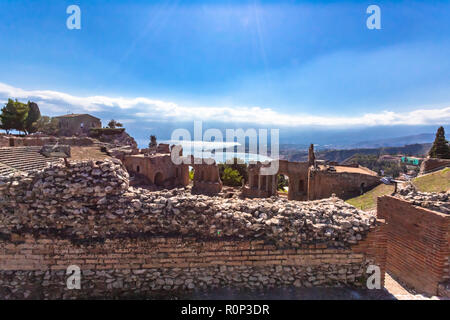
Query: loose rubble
{"type": "Point", "coordinates": [93, 200]}
{"type": "Point", "coordinates": [431, 200]}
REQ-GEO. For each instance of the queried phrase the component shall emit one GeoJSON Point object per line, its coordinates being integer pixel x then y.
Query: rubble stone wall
{"type": "Point", "coordinates": [418, 243]}
{"type": "Point", "coordinates": [128, 240]}
{"type": "Point", "coordinates": [144, 267]}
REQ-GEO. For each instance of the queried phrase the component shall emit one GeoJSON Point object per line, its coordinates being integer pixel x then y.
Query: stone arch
{"type": "Point", "coordinates": [159, 179]}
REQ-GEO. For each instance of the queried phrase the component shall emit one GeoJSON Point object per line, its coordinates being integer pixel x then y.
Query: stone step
{"type": "Point", "coordinates": [22, 159]}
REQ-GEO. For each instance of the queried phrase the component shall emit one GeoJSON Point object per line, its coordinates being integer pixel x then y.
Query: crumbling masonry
{"type": "Point", "coordinates": [310, 180]}
{"type": "Point", "coordinates": [130, 241]}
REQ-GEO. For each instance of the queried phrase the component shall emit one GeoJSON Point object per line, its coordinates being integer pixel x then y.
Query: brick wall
{"type": "Point", "coordinates": [345, 185]}
{"type": "Point", "coordinates": [418, 243]}
{"type": "Point", "coordinates": [31, 268]}
{"type": "Point", "coordinates": [433, 164]}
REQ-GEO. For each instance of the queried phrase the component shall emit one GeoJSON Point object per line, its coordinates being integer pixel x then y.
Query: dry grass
{"type": "Point", "coordinates": [87, 153]}
{"type": "Point", "coordinates": [434, 182]}
{"type": "Point", "coordinates": [368, 201]}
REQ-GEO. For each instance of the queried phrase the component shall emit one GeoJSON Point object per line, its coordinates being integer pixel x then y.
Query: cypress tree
{"type": "Point", "coordinates": [34, 114]}
{"type": "Point", "coordinates": [440, 148]}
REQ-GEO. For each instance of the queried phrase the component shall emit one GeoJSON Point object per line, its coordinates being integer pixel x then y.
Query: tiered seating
{"type": "Point", "coordinates": [4, 169]}
{"type": "Point", "coordinates": [22, 159]}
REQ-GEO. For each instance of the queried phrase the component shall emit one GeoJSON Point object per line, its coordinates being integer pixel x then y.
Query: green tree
{"type": "Point", "coordinates": [231, 177]}
{"type": "Point", "coordinates": [14, 115]}
{"type": "Point", "coordinates": [7, 116]}
{"type": "Point", "coordinates": [440, 148]}
{"type": "Point", "coordinates": [282, 182]}
{"type": "Point", "coordinates": [47, 125]}
{"type": "Point", "coordinates": [34, 114]}
{"type": "Point", "coordinates": [113, 124]}
{"type": "Point", "coordinates": [235, 165]}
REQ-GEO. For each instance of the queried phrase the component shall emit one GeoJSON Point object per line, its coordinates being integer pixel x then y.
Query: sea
{"type": "Point", "coordinates": [219, 151]}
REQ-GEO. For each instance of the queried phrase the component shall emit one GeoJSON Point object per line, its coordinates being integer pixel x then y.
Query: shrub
{"type": "Point", "coordinates": [231, 177]}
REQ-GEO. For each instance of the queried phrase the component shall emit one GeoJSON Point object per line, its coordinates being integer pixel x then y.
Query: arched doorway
{"type": "Point", "coordinates": [159, 179]}
{"type": "Point", "coordinates": [361, 188]}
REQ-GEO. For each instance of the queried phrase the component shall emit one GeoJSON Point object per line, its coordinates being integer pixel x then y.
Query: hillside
{"type": "Point", "coordinates": [368, 200]}
{"type": "Point", "coordinates": [342, 155]}
{"type": "Point", "coordinates": [434, 182]}
{"type": "Point", "coordinates": [396, 142]}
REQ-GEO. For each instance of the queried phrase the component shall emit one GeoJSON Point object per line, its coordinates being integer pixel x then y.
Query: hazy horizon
{"type": "Point", "coordinates": [314, 70]}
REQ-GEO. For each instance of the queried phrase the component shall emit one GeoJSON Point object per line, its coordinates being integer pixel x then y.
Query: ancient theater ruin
{"type": "Point", "coordinates": [183, 236]}
{"type": "Point", "coordinates": [157, 167]}
{"type": "Point", "coordinates": [206, 177]}
{"type": "Point", "coordinates": [311, 180]}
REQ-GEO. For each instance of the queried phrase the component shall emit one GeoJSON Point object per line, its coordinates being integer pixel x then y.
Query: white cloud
{"type": "Point", "coordinates": [153, 110]}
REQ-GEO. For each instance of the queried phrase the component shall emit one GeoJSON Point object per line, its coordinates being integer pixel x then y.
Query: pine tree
{"type": "Point", "coordinates": [440, 148]}
{"type": "Point", "coordinates": [13, 116]}
{"type": "Point", "coordinates": [34, 114]}
{"type": "Point", "coordinates": [20, 116]}
{"type": "Point", "coordinates": [47, 125]}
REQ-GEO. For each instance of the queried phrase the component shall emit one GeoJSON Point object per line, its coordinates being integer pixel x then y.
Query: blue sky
{"type": "Point", "coordinates": [285, 63]}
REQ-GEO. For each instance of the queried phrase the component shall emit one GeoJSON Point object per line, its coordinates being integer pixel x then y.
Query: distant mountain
{"type": "Point", "coordinates": [344, 154]}
{"type": "Point", "coordinates": [395, 142]}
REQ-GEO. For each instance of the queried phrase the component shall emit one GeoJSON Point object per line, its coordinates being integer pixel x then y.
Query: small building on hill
{"type": "Point", "coordinates": [77, 124]}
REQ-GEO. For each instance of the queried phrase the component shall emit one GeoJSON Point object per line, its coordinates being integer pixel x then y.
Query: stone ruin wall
{"type": "Point", "coordinates": [206, 177]}
{"type": "Point", "coordinates": [158, 170]}
{"type": "Point", "coordinates": [121, 138]}
{"type": "Point", "coordinates": [344, 185]}
{"type": "Point", "coordinates": [297, 173]}
{"type": "Point", "coordinates": [33, 141]}
{"type": "Point", "coordinates": [308, 183]}
{"type": "Point", "coordinates": [36, 268]}
{"type": "Point", "coordinates": [132, 242]}
{"type": "Point", "coordinates": [433, 164]}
